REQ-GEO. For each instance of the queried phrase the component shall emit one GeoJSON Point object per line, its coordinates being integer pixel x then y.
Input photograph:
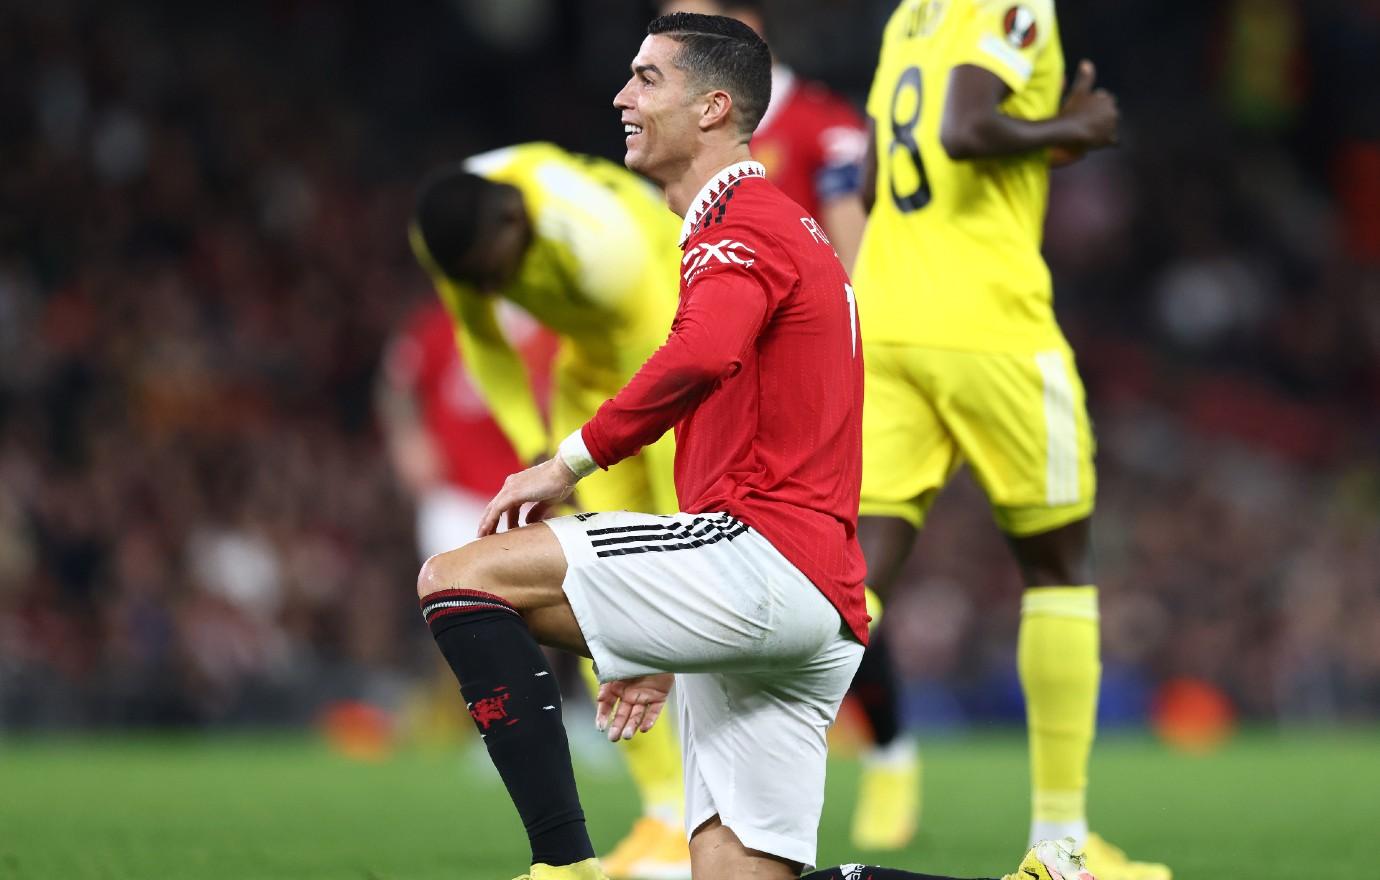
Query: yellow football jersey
{"type": "Point", "coordinates": [603, 272]}
{"type": "Point", "coordinates": [951, 254]}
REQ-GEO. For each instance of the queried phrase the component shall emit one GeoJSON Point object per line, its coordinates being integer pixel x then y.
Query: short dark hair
{"type": "Point", "coordinates": [722, 53]}
{"type": "Point", "coordinates": [453, 207]}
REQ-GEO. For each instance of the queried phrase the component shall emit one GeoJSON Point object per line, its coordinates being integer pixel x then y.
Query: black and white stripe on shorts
{"type": "Point", "coordinates": [665, 537]}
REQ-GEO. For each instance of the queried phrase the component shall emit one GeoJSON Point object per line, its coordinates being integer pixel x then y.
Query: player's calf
{"type": "Point", "coordinates": [716, 853]}
{"type": "Point", "coordinates": [507, 683]}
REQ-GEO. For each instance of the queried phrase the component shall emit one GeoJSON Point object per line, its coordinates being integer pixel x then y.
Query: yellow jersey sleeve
{"type": "Point", "coordinates": [1004, 37]}
{"type": "Point", "coordinates": [496, 368]}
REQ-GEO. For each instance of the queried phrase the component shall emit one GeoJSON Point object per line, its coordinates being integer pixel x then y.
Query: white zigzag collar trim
{"type": "Point", "coordinates": [709, 194]}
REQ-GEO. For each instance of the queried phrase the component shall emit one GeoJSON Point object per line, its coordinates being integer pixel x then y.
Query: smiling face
{"type": "Point", "coordinates": [659, 111]}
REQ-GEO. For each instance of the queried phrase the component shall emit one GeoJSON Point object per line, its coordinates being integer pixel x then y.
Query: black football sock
{"type": "Point", "coordinates": [516, 704]}
{"type": "Point", "coordinates": [868, 872]}
{"type": "Point", "coordinates": [874, 684]}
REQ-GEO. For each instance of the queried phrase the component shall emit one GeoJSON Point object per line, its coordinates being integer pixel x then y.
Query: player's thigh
{"type": "Point", "coordinates": [688, 592]}
{"type": "Point", "coordinates": [755, 747]}
{"type": "Point", "coordinates": [908, 454]}
{"type": "Point", "coordinates": [524, 567]}
{"type": "Point", "coordinates": [1021, 421]}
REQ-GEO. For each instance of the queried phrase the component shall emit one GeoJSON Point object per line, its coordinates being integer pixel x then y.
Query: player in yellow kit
{"type": "Point", "coordinates": [589, 250]}
{"type": "Point", "coordinates": [964, 359]}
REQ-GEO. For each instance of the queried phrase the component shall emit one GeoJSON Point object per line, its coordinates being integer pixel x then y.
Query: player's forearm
{"type": "Point", "coordinates": [622, 427]}
{"type": "Point", "coordinates": [667, 389]}
{"type": "Point", "coordinates": [992, 134]}
{"type": "Point", "coordinates": [395, 405]}
{"type": "Point", "coordinates": [705, 348]}
{"type": "Point", "coordinates": [410, 449]}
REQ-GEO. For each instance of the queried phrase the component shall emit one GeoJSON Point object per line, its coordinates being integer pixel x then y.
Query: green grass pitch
{"type": "Point", "coordinates": [1266, 806]}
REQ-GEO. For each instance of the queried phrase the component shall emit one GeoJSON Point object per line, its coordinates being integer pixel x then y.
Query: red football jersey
{"type": "Point", "coordinates": [811, 141]}
{"type": "Point", "coordinates": [423, 360]}
{"type": "Point", "coordinates": [762, 379]}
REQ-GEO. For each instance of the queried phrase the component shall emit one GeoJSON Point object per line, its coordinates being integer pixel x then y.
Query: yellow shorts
{"type": "Point", "coordinates": [1020, 420]}
{"type": "Point", "coordinates": [644, 483]}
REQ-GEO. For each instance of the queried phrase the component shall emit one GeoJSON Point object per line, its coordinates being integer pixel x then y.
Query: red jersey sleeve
{"type": "Point", "coordinates": [729, 291]}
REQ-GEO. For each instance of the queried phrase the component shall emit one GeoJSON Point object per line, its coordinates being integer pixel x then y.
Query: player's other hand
{"type": "Point", "coordinates": [1092, 112]}
{"type": "Point", "coordinates": [543, 486]}
{"type": "Point", "coordinates": [632, 705]}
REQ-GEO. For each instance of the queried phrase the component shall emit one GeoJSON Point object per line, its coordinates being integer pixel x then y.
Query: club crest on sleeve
{"type": "Point", "coordinates": [1021, 29]}
{"type": "Point", "coordinates": [726, 252]}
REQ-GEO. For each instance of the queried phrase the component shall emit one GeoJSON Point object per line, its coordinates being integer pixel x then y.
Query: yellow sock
{"type": "Point", "coordinates": [1058, 660]}
{"type": "Point", "coordinates": [653, 762]}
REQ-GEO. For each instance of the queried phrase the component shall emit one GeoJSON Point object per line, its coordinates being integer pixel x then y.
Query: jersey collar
{"type": "Point", "coordinates": [709, 194]}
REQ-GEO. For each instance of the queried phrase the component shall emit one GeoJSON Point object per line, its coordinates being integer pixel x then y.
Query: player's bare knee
{"type": "Point", "coordinates": [462, 568]}
{"type": "Point", "coordinates": [472, 567]}
{"type": "Point", "coordinates": [428, 580]}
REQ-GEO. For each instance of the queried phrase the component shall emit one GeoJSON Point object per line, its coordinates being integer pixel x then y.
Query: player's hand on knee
{"type": "Point", "coordinates": [543, 486]}
{"type": "Point", "coordinates": [632, 705]}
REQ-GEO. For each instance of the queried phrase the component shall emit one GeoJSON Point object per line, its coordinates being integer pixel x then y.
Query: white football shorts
{"type": "Point", "coordinates": [762, 660]}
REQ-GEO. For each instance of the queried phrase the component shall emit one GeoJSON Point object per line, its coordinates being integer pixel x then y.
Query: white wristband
{"type": "Point", "coordinates": [575, 454]}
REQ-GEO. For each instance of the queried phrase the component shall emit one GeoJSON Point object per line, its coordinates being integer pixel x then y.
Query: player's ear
{"type": "Point", "coordinates": [718, 104]}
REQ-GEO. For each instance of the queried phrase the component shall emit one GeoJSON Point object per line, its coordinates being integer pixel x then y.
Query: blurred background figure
{"type": "Point", "coordinates": [444, 445]}
{"type": "Point", "coordinates": [966, 364]}
{"type": "Point", "coordinates": [203, 252]}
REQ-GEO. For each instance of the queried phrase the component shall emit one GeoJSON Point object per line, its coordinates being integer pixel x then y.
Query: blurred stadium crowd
{"type": "Point", "coordinates": [202, 252]}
